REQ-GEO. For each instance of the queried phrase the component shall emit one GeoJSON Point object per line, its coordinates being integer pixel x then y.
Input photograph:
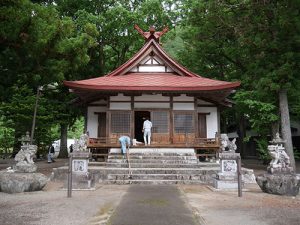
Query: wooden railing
{"type": "Point", "coordinates": [187, 141]}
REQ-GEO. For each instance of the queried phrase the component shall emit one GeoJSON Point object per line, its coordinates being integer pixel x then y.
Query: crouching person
{"type": "Point", "coordinates": [125, 143]}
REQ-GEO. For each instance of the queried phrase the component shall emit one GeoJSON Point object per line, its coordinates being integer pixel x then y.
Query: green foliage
{"type": "Point", "coordinates": [44, 43]}
{"type": "Point", "coordinates": [262, 148]}
{"type": "Point", "coordinates": [255, 42]}
{"type": "Point", "coordinates": [39, 46]}
{"type": "Point", "coordinates": [297, 154]}
{"type": "Point", "coordinates": [251, 41]}
{"type": "Point", "coordinates": [77, 129]}
{"type": "Point", "coordinates": [6, 139]}
{"type": "Point", "coordinates": [260, 114]}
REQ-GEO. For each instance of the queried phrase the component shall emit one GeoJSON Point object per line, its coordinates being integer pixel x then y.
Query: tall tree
{"type": "Point", "coordinates": [253, 41]}
{"type": "Point", "coordinates": [38, 48]}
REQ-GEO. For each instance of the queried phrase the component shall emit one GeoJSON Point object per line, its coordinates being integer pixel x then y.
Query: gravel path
{"type": "Point", "coordinates": [51, 206]}
{"type": "Point", "coordinates": [253, 208]}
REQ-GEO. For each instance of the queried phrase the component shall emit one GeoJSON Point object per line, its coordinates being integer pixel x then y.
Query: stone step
{"type": "Point", "coordinates": [100, 164]}
{"type": "Point", "coordinates": [159, 165]}
{"type": "Point", "coordinates": [159, 177]}
{"type": "Point", "coordinates": [154, 182]}
{"type": "Point", "coordinates": [153, 157]}
{"type": "Point", "coordinates": [164, 161]}
{"type": "Point", "coordinates": [198, 171]}
{"type": "Point", "coordinates": [155, 154]}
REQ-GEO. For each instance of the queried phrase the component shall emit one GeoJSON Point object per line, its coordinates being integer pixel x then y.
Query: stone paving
{"type": "Point", "coordinates": [153, 205]}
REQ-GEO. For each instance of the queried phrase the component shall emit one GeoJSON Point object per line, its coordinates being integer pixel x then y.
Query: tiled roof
{"type": "Point", "coordinates": [151, 82]}
{"type": "Point", "coordinates": [121, 79]}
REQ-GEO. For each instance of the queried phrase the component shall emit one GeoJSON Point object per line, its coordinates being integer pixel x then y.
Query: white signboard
{"type": "Point", "coordinates": [80, 165]}
{"type": "Point", "coordinates": [229, 166]}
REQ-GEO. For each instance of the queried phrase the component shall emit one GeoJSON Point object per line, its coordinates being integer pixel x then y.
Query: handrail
{"type": "Point", "coordinates": [189, 141]}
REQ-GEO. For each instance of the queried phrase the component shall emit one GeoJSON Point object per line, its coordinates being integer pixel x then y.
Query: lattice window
{"type": "Point", "coordinates": [160, 122]}
{"type": "Point", "coordinates": [120, 122]}
{"type": "Point", "coordinates": [183, 123]}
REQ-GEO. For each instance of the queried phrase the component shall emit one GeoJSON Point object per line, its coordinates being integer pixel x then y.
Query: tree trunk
{"type": "Point", "coordinates": [63, 151]}
{"type": "Point", "coordinates": [285, 126]}
{"type": "Point", "coordinates": [275, 129]}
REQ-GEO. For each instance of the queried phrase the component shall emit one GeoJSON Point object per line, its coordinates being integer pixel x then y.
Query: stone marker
{"type": "Point", "coordinates": [81, 178]}
{"type": "Point", "coordinates": [227, 178]}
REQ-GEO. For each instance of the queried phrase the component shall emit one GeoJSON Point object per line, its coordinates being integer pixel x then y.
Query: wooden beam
{"type": "Point", "coordinates": [171, 128]}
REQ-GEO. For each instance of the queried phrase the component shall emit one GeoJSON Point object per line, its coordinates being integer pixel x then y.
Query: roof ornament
{"type": "Point", "coordinates": [152, 34]}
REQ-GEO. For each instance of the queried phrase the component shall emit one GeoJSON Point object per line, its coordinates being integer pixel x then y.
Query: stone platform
{"type": "Point", "coordinates": [153, 166]}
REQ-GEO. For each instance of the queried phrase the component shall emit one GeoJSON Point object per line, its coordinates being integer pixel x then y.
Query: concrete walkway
{"type": "Point", "coordinates": [153, 205]}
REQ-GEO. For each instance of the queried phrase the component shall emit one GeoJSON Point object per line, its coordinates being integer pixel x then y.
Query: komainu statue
{"type": "Point", "coordinates": [280, 160]}
{"type": "Point", "coordinates": [81, 143]}
{"type": "Point", "coordinates": [26, 154]}
{"type": "Point", "coordinates": [227, 145]}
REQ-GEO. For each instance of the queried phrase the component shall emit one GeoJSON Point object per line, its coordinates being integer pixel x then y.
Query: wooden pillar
{"type": "Point", "coordinates": [171, 120]}
{"type": "Point", "coordinates": [108, 125]}
{"type": "Point", "coordinates": [132, 117]}
{"type": "Point", "coordinates": [219, 119]}
{"type": "Point", "coordinates": [85, 119]}
{"type": "Point", "coordinates": [196, 131]}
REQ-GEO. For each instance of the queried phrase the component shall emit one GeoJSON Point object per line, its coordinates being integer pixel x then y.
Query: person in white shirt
{"type": "Point", "coordinates": [147, 131]}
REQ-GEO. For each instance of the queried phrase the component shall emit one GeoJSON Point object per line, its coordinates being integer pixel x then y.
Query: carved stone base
{"type": "Point", "coordinates": [279, 170]}
{"type": "Point", "coordinates": [225, 184]}
{"type": "Point", "coordinates": [225, 181]}
{"type": "Point", "coordinates": [21, 182]}
{"type": "Point", "coordinates": [81, 182]}
{"type": "Point", "coordinates": [25, 167]}
{"type": "Point", "coordinates": [279, 184]}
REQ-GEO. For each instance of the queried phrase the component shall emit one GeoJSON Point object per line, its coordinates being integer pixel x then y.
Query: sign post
{"type": "Point", "coordinates": [70, 176]}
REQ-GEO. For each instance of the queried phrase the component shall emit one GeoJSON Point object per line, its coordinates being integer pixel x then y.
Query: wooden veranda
{"type": "Point", "coordinates": [204, 147]}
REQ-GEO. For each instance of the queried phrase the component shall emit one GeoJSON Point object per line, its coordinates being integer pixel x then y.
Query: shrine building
{"type": "Point", "coordinates": [183, 107]}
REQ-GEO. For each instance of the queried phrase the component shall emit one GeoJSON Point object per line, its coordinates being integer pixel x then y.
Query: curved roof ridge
{"type": "Point", "coordinates": [129, 62]}
{"type": "Point", "coordinates": [121, 70]}
{"type": "Point", "coordinates": [184, 69]}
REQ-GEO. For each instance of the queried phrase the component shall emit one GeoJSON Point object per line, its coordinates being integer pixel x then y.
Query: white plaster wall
{"type": "Point", "coordinates": [211, 120]}
{"type": "Point", "coordinates": [157, 97]}
{"type": "Point", "coordinates": [120, 106]}
{"type": "Point", "coordinates": [183, 97]}
{"type": "Point", "coordinates": [92, 120]}
{"type": "Point", "coordinates": [183, 106]}
{"type": "Point", "coordinates": [120, 97]}
{"type": "Point", "coordinates": [150, 68]}
{"type": "Point", "coordinates": [153, 105]}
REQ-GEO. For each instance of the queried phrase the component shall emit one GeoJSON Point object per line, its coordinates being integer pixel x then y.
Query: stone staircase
{"type": "Point", "coordinates": [159, 166]}
{"type": "Point", "coordinates": [152, 166]}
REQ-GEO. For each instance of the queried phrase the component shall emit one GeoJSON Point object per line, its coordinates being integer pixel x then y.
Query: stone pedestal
{"type": "Point", "coordinates": [11, 182]}
{"type": "Point", "coordinates": [227, 178]}
{"type": "Point", "coordinates": [25, 167]}
{"type": "Point", "coordinates": [279, 184]}
{"type": "Point", "coordinates": [279, 169]}
{"type": "Point", "coordinates": [81, 178]}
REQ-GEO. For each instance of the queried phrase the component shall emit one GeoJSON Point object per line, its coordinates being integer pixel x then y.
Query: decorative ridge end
{"type": "Point", "coordinates": [152, 34]}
